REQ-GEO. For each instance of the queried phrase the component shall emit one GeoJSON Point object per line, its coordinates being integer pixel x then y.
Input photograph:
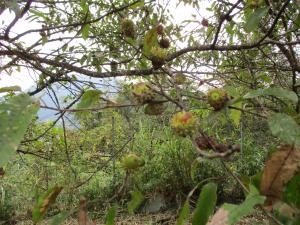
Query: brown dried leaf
{"type": "Point", "coordinates": [279, 169]}
{"type": "Point", "coordinates": [219, 218]}
{"type": "Point", "coordinates": [50, 199]}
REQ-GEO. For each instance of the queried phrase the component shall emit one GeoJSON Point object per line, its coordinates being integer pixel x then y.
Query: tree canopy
{"type": "Point", "coordinates": [236, 59]}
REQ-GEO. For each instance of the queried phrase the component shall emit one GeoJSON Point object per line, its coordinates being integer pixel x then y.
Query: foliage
{"type": "Point", "coordinates": [118, 64]}
{"type": "Point", "coordinates": [136, 200]}
{"type": "Point", "coordinates": [205, 204]}
{"type": "Point", "coordinates": [15, 115]}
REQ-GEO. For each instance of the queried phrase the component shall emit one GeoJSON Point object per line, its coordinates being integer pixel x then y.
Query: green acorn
{"type": "Point", "coordinates": [180, 79]}
{"type": "Point", "coordinates": [164, 43]}
{"type": "Point", "coordinates": [142, 93]}
{"type": "Point", "coordinates": [154, 109]}
{"type": "Point", "coordinates": [128, 28]}
{"type": "Point", "coordinates": [158, 56]}
{"type": "Point", "coordinates": [132, 162]}
{"type": "Point", "coordinates": [184, 123]}
{"type": "Point", "coordinates": [217, 98]}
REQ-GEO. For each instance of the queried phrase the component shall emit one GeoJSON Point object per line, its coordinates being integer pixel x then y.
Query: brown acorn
{"type": "Point", "coordinates": [160, 29]}
{"type": "Point", "coordinates": [128, 28]}
{"type": "Point", "coordinates": [205, 22]}
{"type": "Point", "coordinates": [164, 43]}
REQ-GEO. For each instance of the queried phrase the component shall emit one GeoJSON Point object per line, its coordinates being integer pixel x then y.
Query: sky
{"type": "Point", "coordinates": [25, 78]}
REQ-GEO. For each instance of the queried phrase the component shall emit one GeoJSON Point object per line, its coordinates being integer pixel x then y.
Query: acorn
{"type": "Point", "coordinates": [132, 162]}
{"type": "Point", "coordinates": [154, 109]}
{"type": "Point", "coordinates": [128, 28]}
{"type": "Point", "coordinates": [164, 43]}
{"type": "Point", "coordinates": [205, 23]}
{"type": "Point", "coordinates": [142, 93]}
{"type": "Point", "coordinates": [184, 123]}
{"type": "Point", "coordinates": [158, 56]}
{"type": "Point", "coordinates": [217, 98]}
{"type": "Point", "coordinates": [160, 29]}
{"type": "Point", "coordinates": [179, 79]}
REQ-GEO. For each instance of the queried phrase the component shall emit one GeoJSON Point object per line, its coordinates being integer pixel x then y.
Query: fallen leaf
{"type": "Point", "coordinates": [219, 218]}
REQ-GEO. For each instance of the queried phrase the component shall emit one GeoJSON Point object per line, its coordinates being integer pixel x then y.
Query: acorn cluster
{"type": "Point", "coordinates": [142, 93]}
{"type": "Point", "coordinates": [163, 42]}
{"type": "Point", "coordinates": [128, 28]}
{"type": "Point", "coordinates": [184, 123]}
{"type": "Point", "coordinates": [132, 162]}
{"type": "Point", "coordinates": [217, 98]}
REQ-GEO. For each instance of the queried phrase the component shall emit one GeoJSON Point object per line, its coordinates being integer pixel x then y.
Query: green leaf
{"type": "Point", "coordinates": [138, 5]}
{"type": "Point", "coordinates": [85, 31]}
{"type": "Point", "coordinates": [10, 89]}
{"type": "Point", "coordinates": [136, 199]}
{"type": "Point", "coordinates": [291, 192]}
{"type": "Point", "coordinates": [38, 13]}
{"type": "Point", "coordinates": [84, 6]}
{"type": "Point", "coordinates": [275, 91]}
{"type": "Point", "coordinates": [150, 41]}
{"type": "Point", "coordinates": [254, 180]}
{"type": "Point", "coordinates": [184, 214]}
{"type": "Point", "coordinates": [110, 216]}
{"type": "Point", "coordinates": [205, 204]}
{"type": "Point", "coordinates": [238, 211]}
{"type": "Point", "coordinates": [13, 5]}
{"type": "Point", "coordinates": [89, 98]}
{"type": "Point", "coordinates": [194, 168]}
{"type": "Point", "coordinates": [16, 114]}
{"type": "Point", "coordinates": [297, 23]}
{"type": "Point", "coordinates": [44, 202]}
{"type": "Point", "coordinates": [282, 93]}
{"type": "Point", "coordinates": [253, 21]}
{"type": "Point", "coordinates": [285, 128]}
{"type": "Point", "coordinates": [59, 218]}
{"type": "Point", "coordinates": [254, 94]}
